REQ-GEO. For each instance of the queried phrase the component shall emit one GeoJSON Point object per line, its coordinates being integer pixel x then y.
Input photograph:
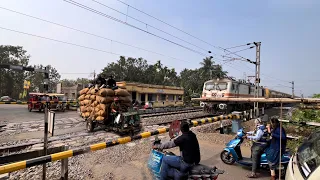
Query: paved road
{"type": "Point", "coordinates": [137, 169]}
{"type": "Point", "coordinates": [15, 113]}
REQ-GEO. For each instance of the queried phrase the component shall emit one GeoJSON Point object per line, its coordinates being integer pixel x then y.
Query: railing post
{"type": "Point", "coordinates": [262, 111]}
{"type": "Point", "coordinates": [258, 112]}
{"type": "Point", "coordinates": [64, 166]}
{"type": "Point", "coordinates": [250, 113]}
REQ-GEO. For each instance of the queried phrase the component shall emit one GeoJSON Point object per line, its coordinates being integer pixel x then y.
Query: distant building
{"type": "Point", "coordinates": [71, 92]}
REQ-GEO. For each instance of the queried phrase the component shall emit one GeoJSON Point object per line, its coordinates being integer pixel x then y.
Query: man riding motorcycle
{"type": "Point", "coordinates": [259, 145]}
{"type": "Point", "coordinates": [179, 166]}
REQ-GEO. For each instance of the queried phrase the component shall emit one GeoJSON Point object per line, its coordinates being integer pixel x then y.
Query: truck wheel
{"type": "Point", "coordinates": [90, 126]}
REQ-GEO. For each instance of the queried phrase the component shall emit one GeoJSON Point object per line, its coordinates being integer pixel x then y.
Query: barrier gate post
{"type": "Point", "coordinates": [64, 166]}
{"type": "Point", "coordinates": [45, 140]}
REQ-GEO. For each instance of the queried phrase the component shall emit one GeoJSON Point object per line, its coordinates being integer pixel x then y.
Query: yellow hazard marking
{"type": "Point", "coordinates": [162, 130]}
{"type": "Point", "coordinates": [195, 123]}
{"type": "Point", "coordinates": [98, 146]}
{"type": "Point", "coordinates": [203, 121]}
{"type": "Point", "coordinates": [124, 140]}
{"type": "Point", "coordinates": [216, 118]}
{"type": "Point", "coordinates": [210, 120]}
{"type": "Point", "coordinates": [145, 134]}
{"type": "Point", "coordinates": [13, 167]}
{"type": "Point", "coordinates": [61, 155]}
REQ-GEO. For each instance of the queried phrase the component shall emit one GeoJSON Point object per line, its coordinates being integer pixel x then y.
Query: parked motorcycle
{"type": "Point", "coordinates": [199, 171]}
{"type": "Point", "coordinates": [232, 154]}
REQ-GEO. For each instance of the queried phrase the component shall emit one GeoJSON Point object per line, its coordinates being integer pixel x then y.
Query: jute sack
{"type": "Point", "coordinates": [121, 92]}
{"type": "Point", "coordinates": [93, 91]}
{"type": "Point", "coordinates": [84, 91]}
{"type": "Point", "coordinates": [101, 113]}
{"type": "Point", "coordinates": [125, 99]}
{"type": "Point", "coordinates": [87, 97]}
{"type": "Point", "coordinates": [104, 92]}
{"type": "Point", "coordinates": [82, 97]}
{"type": "Point", "coordinates": [99, 118]}
{"type": "Point", "coordinates": [104, 100]}
{"type": "Point", "coordinates": [93, 97]}
{"type": "Point", "coordinates": [82, 109]}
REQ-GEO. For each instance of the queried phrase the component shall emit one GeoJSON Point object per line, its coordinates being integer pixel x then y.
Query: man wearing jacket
{"type": "Point", "coordinates": [259, 145]}
{"type": "Point", "coordinates": [178, 166]}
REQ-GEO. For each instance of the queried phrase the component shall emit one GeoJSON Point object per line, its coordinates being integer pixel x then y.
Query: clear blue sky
{"type": "Point", "coordinates": [288, 29]}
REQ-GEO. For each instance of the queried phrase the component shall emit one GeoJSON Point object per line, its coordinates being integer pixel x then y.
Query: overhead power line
{"type": "Point", "coordinates": [88, 33]}
{"type": "Point", "coordinates": [64, 42]}
{"type": "Point", "coordinates": [216, 47]}
{"type": "Point", "coordinates": [148, 25]}
{"type": "Point", "coordinates": [130, 25]}
{"type": "Point", "coordinates": [241, 50]}
{"type": "Point", "coordinates": [115, 19]}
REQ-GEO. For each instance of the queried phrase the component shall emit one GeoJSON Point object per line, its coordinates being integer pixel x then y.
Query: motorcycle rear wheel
{"type": "Point", "coordinates": [227, 158]}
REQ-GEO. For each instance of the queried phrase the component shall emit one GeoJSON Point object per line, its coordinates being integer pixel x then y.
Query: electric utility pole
{"type": "Point", "coordinates": [292, 89]}
{"type": "Point", "coordinates": [257, 76]}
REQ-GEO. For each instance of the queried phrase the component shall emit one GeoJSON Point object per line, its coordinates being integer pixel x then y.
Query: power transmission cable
{"type": "Point", "coordinates": [148, 25]}
{"type": "Point", "coordinates": [115, 19]}
{"type": "Point", "coordinates": [217, 47]}
{"type": "Point", "coordinates": [241, 50]}
{"type": "Point", "coordinates": [130, 25]}
{"type": "Point", "coordinates": [88, 33]}
{"type": "Point", "coordinates": [64, 42]}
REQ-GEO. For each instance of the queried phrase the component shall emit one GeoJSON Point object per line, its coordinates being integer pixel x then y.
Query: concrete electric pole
{"type": "Point", "coordinates": [257, 76]}
{"type": "Point", "coordinates": [292, 89]}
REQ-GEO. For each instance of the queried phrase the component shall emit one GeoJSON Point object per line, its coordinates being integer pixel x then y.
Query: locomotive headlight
{"type": "Point", "coordinates": [222, 106]}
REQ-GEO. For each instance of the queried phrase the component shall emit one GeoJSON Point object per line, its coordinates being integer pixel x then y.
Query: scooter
{"type": "Point", "coordinates": [196, 172]}
{"type": "Point", "coordinates": [232, 154]}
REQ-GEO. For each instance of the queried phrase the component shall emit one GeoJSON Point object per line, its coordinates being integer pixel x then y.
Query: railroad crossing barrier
{"type": "Point", "coordinates": [69, 153]}
{"type": "Point", "coordinates": [43, 102]}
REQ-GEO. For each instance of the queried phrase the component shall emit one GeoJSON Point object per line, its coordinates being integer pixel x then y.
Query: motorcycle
{"type": "Point", "coordinates": [232, 154]}
{"type": "Point", "coordinates": [199, 171]}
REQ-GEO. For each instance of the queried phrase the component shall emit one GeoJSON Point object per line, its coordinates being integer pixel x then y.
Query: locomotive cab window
{"type": "Point", "coordinates": [209, 86]}
{"type": "Point", "coordinates": [222, 86]}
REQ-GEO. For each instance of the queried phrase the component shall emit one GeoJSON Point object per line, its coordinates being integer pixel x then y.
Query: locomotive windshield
{"type": "Point", "coordinates": [209, 86]}
{"type": "Point", "coordinates": [222, 86]}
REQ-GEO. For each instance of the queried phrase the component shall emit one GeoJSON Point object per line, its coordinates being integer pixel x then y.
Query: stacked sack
{"type": "Point", "coordinates": [85, 102]}
{"type": "Point", "coordinates": [95, 103]}
{"type": "Point", "coordinates": [103, 99]}
{"type": "Point", "coordinates": [124, 98]}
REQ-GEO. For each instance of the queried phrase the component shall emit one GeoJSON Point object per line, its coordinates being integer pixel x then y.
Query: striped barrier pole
{"type": "Point", "coordinates": [69, 153]}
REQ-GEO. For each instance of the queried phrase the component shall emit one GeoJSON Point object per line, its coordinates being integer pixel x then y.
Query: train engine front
{"type": "Point", "coordinates": [216, 89]}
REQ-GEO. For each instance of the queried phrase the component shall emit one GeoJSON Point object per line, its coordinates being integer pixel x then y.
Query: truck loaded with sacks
{"type": "Point", "coordinates": [97, 108]}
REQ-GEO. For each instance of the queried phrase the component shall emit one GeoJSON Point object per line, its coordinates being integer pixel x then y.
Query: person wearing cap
{"type": "Point", "coordinates": [115, 106]}
{"type": "Point", "coordinates": [259, 145]}
{"type": "Point", "coordinates": [179, 166]}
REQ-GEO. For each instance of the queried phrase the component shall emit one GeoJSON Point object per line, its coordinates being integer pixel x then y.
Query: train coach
{"type": "Point", "coordinates": [231, 88]}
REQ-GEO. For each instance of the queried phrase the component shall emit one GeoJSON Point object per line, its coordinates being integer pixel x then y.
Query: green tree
{"type": "Point", "coordinates": [11, 81]}
{"type": "Point", "coordinates": [37, 79]}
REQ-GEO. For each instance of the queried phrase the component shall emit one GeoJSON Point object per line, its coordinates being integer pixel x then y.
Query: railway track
{"type": "Point", "coordinates": [73, 140]}
{"type": "Point", "coordinates": [170, 113]}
